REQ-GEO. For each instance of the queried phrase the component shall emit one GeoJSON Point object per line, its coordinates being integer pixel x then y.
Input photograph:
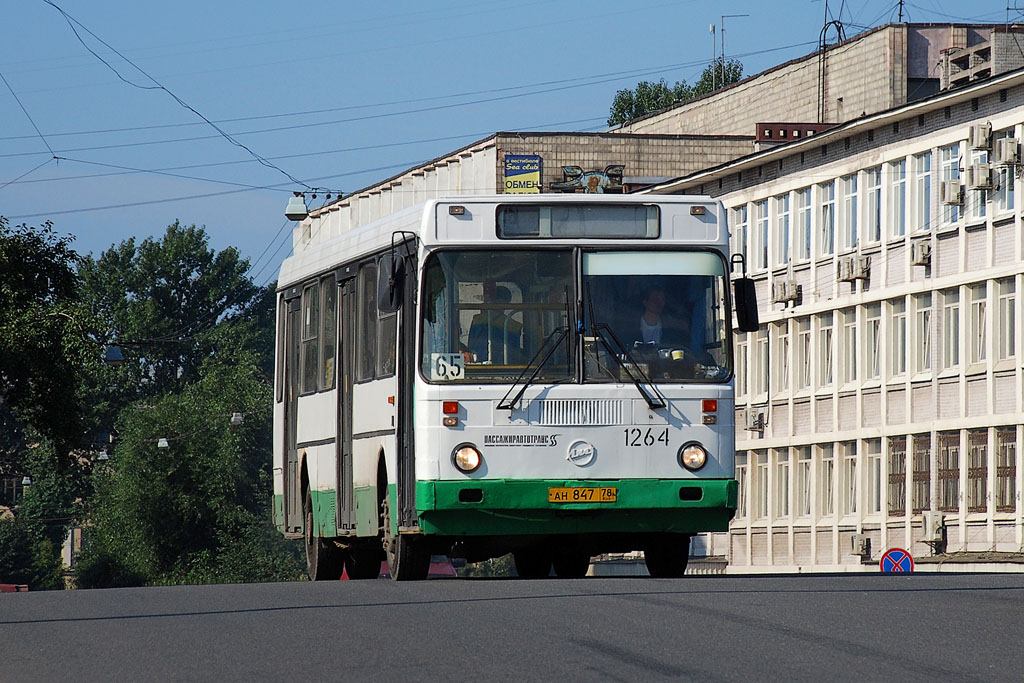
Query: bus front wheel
{"type": "Point", "coordinates": [571, 564]}
{"type": "Point", "coordinates": [325, 561]}
{"type": "Point", "coordinates": [667, 558]}
{"type": "Point", "coordinates": [406, 557]}
{"type": "Point", "coordinates": [532, 563]}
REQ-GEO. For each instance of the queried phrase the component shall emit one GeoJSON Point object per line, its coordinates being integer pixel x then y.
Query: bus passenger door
{"type": "Point", "coordinates": [346, 367]}
{"type": "Point", "coordinates": [293, 517]}
{"type": "Point", "coordinates": [406, 367]}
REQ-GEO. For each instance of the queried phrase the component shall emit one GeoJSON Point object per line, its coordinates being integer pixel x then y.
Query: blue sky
{"type": "Point", "coordinates": [338, 95]}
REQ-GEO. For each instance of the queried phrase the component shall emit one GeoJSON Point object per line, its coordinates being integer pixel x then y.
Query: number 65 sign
{"type": "Point", "coordinates": [447, 366]}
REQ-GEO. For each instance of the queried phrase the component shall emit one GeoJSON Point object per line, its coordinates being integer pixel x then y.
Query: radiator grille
{"type": "Point", "coordinates": [578, 412]}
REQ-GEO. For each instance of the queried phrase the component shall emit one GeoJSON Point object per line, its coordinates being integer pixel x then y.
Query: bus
{"type": "Point", "coordinates": [548, 376]}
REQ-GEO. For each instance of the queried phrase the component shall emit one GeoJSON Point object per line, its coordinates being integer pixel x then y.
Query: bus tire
{"type": "Point", "coordinates": [325, 561]}
{"type": "Point", "coordinates": [532, 563]}
{"type": "Point", "coordinates": [406, 557]}
{"type": "Point", "coordinates": [571, 564]}
{"type": "Point", "coordinates": [363, 563]}
{"type": "Point", "coordinates": [667, 559]}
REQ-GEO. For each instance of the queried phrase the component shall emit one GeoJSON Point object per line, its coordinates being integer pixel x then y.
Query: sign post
{"type": "Point", "coordinates": [896, 561]}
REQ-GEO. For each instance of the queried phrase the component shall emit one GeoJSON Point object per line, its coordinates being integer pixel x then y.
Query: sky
{"type": "Point", "coordinates": [333, 95]}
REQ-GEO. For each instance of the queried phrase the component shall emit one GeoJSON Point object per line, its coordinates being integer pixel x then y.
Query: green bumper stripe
{"type": "Point", "coordinates": [512, 507]}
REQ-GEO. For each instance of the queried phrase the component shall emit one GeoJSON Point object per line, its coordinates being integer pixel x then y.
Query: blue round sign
{"type": "Point", "coordinates": [896, 560]}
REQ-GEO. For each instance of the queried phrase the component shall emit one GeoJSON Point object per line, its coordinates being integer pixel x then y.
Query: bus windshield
{"type": "Point", "coordinates": [662, 312]}
{"type": "Point", "coordinates": [486, 314]}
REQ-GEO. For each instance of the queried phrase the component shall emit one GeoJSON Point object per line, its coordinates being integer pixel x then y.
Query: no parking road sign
{"type": "Point", "coordinates": [897, 560]}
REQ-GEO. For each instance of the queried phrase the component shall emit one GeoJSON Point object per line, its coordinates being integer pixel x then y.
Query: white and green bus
{"type": "Point", "coordinates": [548, 376]}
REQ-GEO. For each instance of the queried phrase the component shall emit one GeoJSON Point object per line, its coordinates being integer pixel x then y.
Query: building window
{"type": "Point", "coordinates": [1006, 470]}
{"type": "Point", "coordinates": [922, 332]}
{"type": "Point", "coordinates": [921, 476]}
{"type": "Point", "coordinates": [873, 204]}
{"type": "Point", "coordinates": [781, 356]}
{"type": "Point", "coordinates": [762, 483]}
{"type": "Point", "coordinates": [782, 230]}
{"type": "Point", "coordinates": [827, 478]}
{"type": "Point", "coordinates": [1007, 319]}
{"type": "Point", "coordinates": [803, 353]}
{"type": "Point", "coordinates": [976, 331]}
{"type": "Point", "coordinates": [826, 237]}
{"type": "Point", "coordinates": [898, 337]}
{"type": "Point", "coordinates": [803, 481]}
{"type": "Point", "coordinates": [950, 328]}
{"type": "Point", "coordinates": [849, 318]}
{"type": "Point", "coordinates": [949, 471]}
{"type": "Point", "coordinates": [977, 200]}
{"type": "Point", "coordinates": [949, 159]}
{"type": "Point", "coordinates": [739, 232]}
{"type": "Point", "coordinates": [803, 224]}
{"type": "Point", "coordinates": [898, 197]}
{"type": "Point", "coordinates": [873, 476]}
{"type": "Point", "coordinates": [848, 215]}
{"type": "Point", "coordinates": [761, 231]}
{"type": "Point", "coordinates": [741, 364]}
{"type": "Point", "coordinates": [759, 381]}
{"type": "Point", "coordinates": [898, 476]}
{"type": "Point", "coordinates": [1004, 178]}
{"type": "Point", "coordinates": [741, 478]}
{"type": "Point", "coordinates": [310, 343]}
{"type": "Point", "coordinates": [825, 346]}
{"type": "Point", "coordinates": [872, 343]}
{"type": "Point", "coordinates": [782, 483]}
{"type": "Point", "coordinates": [849, 450]}
{"type": "Point", "coordinates": [923, 191]}
{"type": "Point", "coordinates": [977, 470]}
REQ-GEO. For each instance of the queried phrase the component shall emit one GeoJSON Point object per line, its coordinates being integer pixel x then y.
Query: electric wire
{"type": "Point", "coordinates": [25, 174]}
{"type": "Point", "coordinates": [28, 116]}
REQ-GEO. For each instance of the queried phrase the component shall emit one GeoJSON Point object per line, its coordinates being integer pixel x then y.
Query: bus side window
{"type": "Point", "coordinates": [282, 313]}
{"type": "Point", "coordinates": [387, 338]}
{"type": "Point", "coordinates": [366, 344]}
{"type": "Point", "coordinates": [310, 343]}
{"type": "Point", "coordinates": [329, 331]}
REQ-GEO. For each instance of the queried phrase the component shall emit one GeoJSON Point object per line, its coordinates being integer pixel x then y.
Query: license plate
{"type": "Point", "coordinates": [582, 494]}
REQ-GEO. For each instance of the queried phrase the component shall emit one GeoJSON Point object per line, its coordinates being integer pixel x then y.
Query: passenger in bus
{"type": "Point", "coordinates": [493, 336]}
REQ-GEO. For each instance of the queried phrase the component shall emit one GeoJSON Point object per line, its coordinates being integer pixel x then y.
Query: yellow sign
{"type": "Point", "coordinates": [522, 174]}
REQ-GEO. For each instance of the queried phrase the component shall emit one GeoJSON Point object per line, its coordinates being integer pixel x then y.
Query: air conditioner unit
{"type": "Point", "coordinates": [979, 177]}
{"type": "Point", "coordinates": [755, 420]}
{"type": "Point", "coordinates": [921, 253]}
{"type": "Point", "coordinates": [784, 291]}
{"type": "Point", "coordinates": [1007, 151]}
{"type": "Point", "coordinates": [934, 531]}
{"type": "Point", "coordinates": [861, 267]}
{"type": "Point", "coordinates": [980, 136]}
{"type": "Point", "coordinates": [846, 269]}
{"type": "Point", "coordinates": [860, 545]}
{"type": "Point", "coordinates": [793, 291]}
{"type": "Point", "coordinates": [949, 192]}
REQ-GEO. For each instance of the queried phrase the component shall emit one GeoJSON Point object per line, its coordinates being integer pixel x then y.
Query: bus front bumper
{"type": "Point", "coordinates": [495, 507]}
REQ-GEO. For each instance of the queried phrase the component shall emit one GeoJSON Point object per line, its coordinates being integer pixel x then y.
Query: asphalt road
{"type": "Point", "coordinates": [853, 627]}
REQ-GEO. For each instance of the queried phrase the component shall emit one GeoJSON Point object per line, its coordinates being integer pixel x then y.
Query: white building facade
{"type": "Point", "coordinates": [880, 404]}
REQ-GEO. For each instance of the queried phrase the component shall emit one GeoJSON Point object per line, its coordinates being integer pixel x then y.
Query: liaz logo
{"type": "Point", "coordinates": [581, 453]}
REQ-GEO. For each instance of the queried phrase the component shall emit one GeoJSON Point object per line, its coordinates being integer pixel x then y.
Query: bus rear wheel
{"type": "Point", "coordinates": [325, 561]}
{"type": "Point", "coordinates": [532, 563]}
{"type": "Point", "coordinates": [667, 558]}
{"type": "Point", "coordinates": [405, 555]}
{"type": "Point", "coordinates": [363, 563]}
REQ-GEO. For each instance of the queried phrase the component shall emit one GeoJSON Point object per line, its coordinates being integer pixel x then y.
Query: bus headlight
{"type": "Point", "coordinates": [467, 458]}
{"type": "Point", "coordinates": [692, 456]}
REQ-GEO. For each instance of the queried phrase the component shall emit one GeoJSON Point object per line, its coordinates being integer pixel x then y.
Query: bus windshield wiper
{"type": "Point", "coordinates": [654, 401]}
{"type": "Point", "coordinates": [598, 329]}
{"type": "Point", "coordinates": [550, 343]}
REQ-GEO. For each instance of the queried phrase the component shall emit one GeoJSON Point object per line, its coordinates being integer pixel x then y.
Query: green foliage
{"type": "Point", "coordinates": [46, 342]}
{"type": "Point", "coordinates": [27, 559]}
{"type": "Point", "coordinates": [198, 510]}
{"type": "Point", "coordinates": [650, 97]}
{"type": "Point", "coordinates": [499, 567]}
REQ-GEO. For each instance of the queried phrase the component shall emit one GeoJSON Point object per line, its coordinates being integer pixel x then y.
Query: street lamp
{"type": "Point", "coordinates": [162, 443]}
{"type": "Point", "coordinates": [113, 356]}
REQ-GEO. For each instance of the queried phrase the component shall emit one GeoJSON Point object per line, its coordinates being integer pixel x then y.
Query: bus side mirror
{"type": "Point", "coordinates": [746, 304]}
{"type": "Point", "coordinates": [390, 278]}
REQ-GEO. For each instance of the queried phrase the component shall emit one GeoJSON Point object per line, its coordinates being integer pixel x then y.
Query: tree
{"type": "Point", "coordinates": [47, 342]}
{"type": "Point", "coordinates": [650, 97]}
